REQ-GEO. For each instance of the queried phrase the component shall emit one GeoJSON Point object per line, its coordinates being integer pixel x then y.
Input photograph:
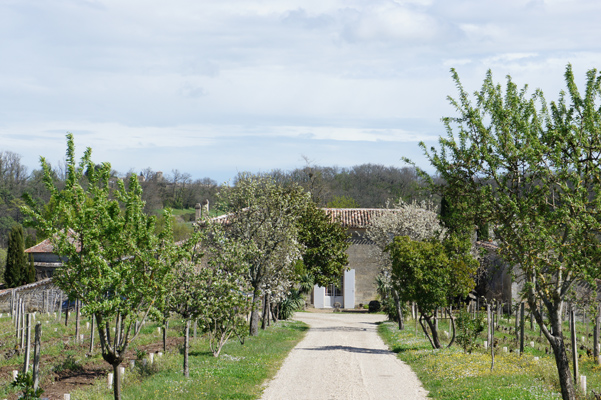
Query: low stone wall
{"type": "Point", "coordinates": [41, 296]}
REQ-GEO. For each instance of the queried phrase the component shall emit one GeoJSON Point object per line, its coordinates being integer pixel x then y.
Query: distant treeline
{"type": "Point", "coordinates": [367, 185]}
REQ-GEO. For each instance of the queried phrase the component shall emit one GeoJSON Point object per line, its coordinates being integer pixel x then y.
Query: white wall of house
{"type": "Point", "coordinates": [349, 289]}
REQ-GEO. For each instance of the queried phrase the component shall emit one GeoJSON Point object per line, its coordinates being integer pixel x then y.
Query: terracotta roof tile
{"type": "Point", "coordinates": [45, 246]}
{"type": "Point", "coordinates": [356, 218]}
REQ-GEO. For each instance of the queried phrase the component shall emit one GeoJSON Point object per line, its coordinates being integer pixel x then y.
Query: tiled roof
{"type": "Point", "coordinates": [350, 218]}
{"type": "Point", "coordinates": [356, 218]}
{"type": "Point", "coordinates": [45, 246]}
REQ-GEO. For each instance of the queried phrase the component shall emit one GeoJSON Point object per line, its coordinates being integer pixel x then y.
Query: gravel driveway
{"type": "Point", "coordinates": [342, 357]}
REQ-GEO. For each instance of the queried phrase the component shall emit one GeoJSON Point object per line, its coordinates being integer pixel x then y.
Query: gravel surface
{"type": "Point", "coordinates": [342, 357]}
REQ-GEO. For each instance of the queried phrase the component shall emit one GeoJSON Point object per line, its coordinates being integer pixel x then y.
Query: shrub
{"type": "Point", "coordinates": [468, 329]}
{"type": "Point", "coordinates": [374, 306]}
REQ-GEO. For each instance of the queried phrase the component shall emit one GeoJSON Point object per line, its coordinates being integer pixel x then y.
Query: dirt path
{"type": "Point", "coordinates": [342, 357]}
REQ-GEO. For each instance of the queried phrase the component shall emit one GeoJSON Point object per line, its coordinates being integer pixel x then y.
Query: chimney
{"type": "Point", "coordinates": [198, 212]}
{"type": "Point", "coordinates": [205, 208]}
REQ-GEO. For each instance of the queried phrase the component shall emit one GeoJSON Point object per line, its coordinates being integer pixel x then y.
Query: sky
{"type": "Point", "coordinates": [213, 88]}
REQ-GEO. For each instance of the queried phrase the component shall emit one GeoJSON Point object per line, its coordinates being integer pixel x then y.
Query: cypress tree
{"type": "Point", "coordinates": [30, 270]}
{"type": "Point", "coordinates": [16, 261]}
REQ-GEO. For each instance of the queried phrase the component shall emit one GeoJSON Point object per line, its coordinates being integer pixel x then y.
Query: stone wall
{"type": "Point", "coordinates": [41, 296]}
{"type": "Point", "coordinates": [365, 268]}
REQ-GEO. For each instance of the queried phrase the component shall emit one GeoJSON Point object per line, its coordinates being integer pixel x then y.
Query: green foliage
{"type": "Point", "coordinates": [30, 271]}
{"type": "Point", "coordinates": [324, 245]}
{"type": "Point", "coordinates": [15, 273]}
{"type": "Point", "coordinates": [431, 272]}
{"type": "Point", "coordinates": [264, 222]}
{"type": "Point", "coordinates": [294, 301]}
{"type": "Point", "coordinates": [24, 382]}
{"type": "Point", "coordinates": [469, 329]}
{"type": "Point", "coordinates": [384, 289]}
{"type": "Point", "coordinates": [114, 261]}
{"type": "Point", "coordinates": [530, 169]}
{"type": "Point", "coordinates": [68, 364]}
{"type": "Point", "coordinates": [343, 202]}
{"type": "Point", "coordinates": [2, 261]}
{"type": "Point", "coordinates": [181, 230]}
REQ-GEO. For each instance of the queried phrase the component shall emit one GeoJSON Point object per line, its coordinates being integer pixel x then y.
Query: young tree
{"type": "Point", "coordinates": [419, 221]}
{"type": "Point", "coordinates": [15, 273]}
{"type": "Point", "coordinates": [432, 273]}
{"type": "Point", "coordinates": [532, 171]}
{"type": "Point", "coordinates": [263, 220]}
{"type": "Point", "coordinates": [114, 262]}
{"type": "Point", "coordinates": [225, 299]}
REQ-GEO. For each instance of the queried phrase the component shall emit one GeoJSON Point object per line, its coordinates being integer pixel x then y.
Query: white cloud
{"type": "Point", "coordinates": [146, 75]}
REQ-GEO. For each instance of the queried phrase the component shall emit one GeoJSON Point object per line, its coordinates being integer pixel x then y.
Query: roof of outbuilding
{"type": "Point", "coordinates": [45, 246]}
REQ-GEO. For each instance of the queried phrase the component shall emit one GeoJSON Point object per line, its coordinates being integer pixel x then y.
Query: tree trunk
{"type": "Point", "coordinates": [399, 310]}
{"type": "Point", "coordinates": [116, 381]}
{"type": "Point", "coordinates": [554, 335]}
{"type": "Point", "coordinates": [265, 313]}
{"type": "Point", "coordinates": [165, 327]}
{"type": "Point", "coordinates": [254, 314]}
{"type": "Point", "coordinates": [452, 319]}
{"type": "Point", "coordinates": [92, 335]}
{"type": "Point", "coordinates": [186, 349]}
{"type": "Point", "coordinates": [274, 313]}
{"type": "Point", "coordinates": [431, 321]}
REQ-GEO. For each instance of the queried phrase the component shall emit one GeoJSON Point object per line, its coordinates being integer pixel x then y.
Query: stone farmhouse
{"type": "Point", "coordinates": [357, 286]}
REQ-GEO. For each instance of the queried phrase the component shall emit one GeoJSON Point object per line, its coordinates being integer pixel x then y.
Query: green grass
{"type": "Point", "coordinates": [451, 374]}
{"type": "Point", "coordinates": [237, 374]}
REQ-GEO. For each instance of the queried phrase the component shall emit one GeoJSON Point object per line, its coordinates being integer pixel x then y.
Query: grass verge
{"type": "Point", "coordinates": [450, 374]}
{"type": "Point", "coordinates": [237, 374]}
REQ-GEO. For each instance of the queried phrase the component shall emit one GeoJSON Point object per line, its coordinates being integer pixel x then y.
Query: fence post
{"type": "Point", "coordinates": [36, 355]}
{"type": "Point", "coordinates": [23, 316]}
{"type": "Point", "coordinates": [28, 343]}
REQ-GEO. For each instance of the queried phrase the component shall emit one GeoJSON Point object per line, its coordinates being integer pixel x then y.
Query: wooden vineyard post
{"type": "Point", "coordinates": [28, 344]}
{"type": "Point", "coordinates": [18, 326]}
{"type": "Point", "coordinates": [574, 346]}
{"type": "Point", "coordinates": [76, 320]}
{"type": "Point", "coordinates": [36, 355]}
{"type": "Point", "coordinates": [488, 320]}
{"type": "Point", "coordinates": [23, 316]}
{"type": "Point", "coordinates": [596, 337]}
{"type": "Point", "coordinates": [492, 343]}
{"type": "Point", "coordinates": [522, 320]}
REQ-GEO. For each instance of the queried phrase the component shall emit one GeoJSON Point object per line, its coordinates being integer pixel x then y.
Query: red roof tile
{"type": "Point", "coordinates": [45, 246]}
{"type": "Point", "coordinates": [356, 218]}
